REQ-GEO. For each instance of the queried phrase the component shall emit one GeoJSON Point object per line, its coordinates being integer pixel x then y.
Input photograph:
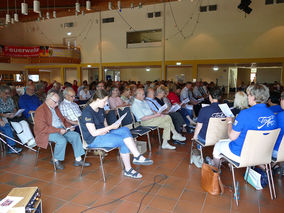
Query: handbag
{"type": "Point", "coordinates": [210, 180]}
{"type": "Point", "coordinates": [256, 177]}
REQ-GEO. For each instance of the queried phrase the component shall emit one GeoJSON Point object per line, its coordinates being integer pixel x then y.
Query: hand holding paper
{"type": "Point", "coordinates": [19, 112]}
{"type": "Point", "coordinates": [174, 108]}
{"type": "Point", "coordinates": [120, 119]}
{"type": "Point", "coordinates": [163, 108]}
{"type": "Point", "coordinates": [226, 110]}
{"type": "Point", "coordinates": [185, 101]}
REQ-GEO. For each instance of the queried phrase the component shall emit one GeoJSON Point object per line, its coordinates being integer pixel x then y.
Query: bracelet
{"type": "Point", "coordinates": [230, 122]}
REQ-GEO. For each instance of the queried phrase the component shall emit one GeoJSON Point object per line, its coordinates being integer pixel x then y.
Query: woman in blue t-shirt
{"type": "Point", "coordinates": [97, 133]}
{"type": "Point", "coordinates": [257, 117]}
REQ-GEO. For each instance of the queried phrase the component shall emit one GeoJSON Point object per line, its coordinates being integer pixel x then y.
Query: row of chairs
{"type": "Point", "coordinates": [257, 149]}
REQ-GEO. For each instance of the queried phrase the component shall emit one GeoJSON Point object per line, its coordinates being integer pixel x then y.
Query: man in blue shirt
{"type": "Point", "coordinates": [257, 117]}
{"type": "Point", "coordinates": [29, 101]}
{"type": "Point", "coordinates": [274, 102]}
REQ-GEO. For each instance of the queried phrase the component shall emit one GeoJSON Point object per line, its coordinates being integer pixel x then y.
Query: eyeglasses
{"type": "Point", "coordinates": [72, 96]}
{"type": "Point", "coordinates": [56, 102]}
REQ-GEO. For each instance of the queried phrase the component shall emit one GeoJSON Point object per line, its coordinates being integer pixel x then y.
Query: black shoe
{"type": "Point", "coordinates": [189, 130]}
{"type": "Point", "coordinates": [80, 163]}
{"type": "Point", "coordinates": [58, 165]}
{"type": "Point", "coordinates": [179, 142]}
{"type": "Point", "coordinates": [11, 151]}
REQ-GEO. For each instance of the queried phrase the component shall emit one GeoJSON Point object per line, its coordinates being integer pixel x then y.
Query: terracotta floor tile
{"type": "Point", "coordinates": [86, 198]}
{"type": "Point", "coordinates": [50, 205]}
{"type": "Point", "coordinates": [71, 207]}
{"type": "Point", "coordinates": [127, 206]}
{"type": "Point", "coordinates": [67, 194]}
{"type": "Point", "coordinates": [5, 188]}
{"type": "Point", "coordinates": [183, 206]}
{"type": "Point", "coordinates": [213, 209]}
{"type": "Point", "coordinates": [163, 203]}
{"type": "Point", "coordinates": [51, 189]}
{"type": "Point", "coordinates": [153, 210]}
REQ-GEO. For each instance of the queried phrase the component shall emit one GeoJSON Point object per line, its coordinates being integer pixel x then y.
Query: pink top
{"type": "Point", "coordinates": [115, 102]}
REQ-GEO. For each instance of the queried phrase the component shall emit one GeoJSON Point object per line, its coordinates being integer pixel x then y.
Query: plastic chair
{"type": "Point", "coordinates": [217, 130]}
{"type": "Point", "coordinates": [263, 142]}
{"type": "Point", "coordinates": [99, 149]}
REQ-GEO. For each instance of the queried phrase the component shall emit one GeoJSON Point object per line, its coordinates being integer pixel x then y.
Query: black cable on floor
{"type": "Point", "coordinates": [157, 179]}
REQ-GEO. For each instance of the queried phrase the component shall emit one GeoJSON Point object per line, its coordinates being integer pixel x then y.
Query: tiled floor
{"type": "Point", "coordinates": [66, 192]}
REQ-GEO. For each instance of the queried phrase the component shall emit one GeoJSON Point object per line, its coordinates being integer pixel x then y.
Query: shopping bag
{"type": "Point", "coordinates": [258, 179]}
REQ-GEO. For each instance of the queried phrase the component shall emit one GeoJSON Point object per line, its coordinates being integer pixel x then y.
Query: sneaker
{"type": "Point", "coordinates": [132, 173]}
{"type": "Point", "coordinates": [179, 142]}
{"type": "Point", "coordinates": [81, 163]}
{"type": "Point", "coordinates": [209, 161]}
{"type": "Point", "coordinates": [11, 151]}
{"type": "Point", "coordinates": [145, 162]}
{"type": "Point", "coordinates": [179, 137]}
{"type": "Point", "coordinates": [196, 159]}
{"type": "Point", "coordinates": [167, 146]}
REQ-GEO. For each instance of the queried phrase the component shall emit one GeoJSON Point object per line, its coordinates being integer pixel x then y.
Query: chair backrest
{"type": "Point", "coordinates": [111, 116]}
{"type": "Point", "coordinates": [85, 145]}
{"type": "Point", "coordinates": [128, 120]}
{"type": "Point", "coordinates": [280, 154]}
{"type": "Point", "coordinates": [258, 146]}
{"type": "Point", "coordinates": [217, 130]}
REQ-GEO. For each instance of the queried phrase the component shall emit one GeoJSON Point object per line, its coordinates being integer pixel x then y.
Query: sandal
{"type": "Point", "coordinates": [130, 173]}
{"type": "Point", "coordinates": [139, 161]}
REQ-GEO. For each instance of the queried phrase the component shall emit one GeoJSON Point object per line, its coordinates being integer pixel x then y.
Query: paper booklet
{"type": "Point", "coordinates": [200, 100]}
{"type": "Point", "coordinates": [120, 119]}
{"type": "Point", "coordinates": [19, 112]}
{"type": "Point", "coordinates": [190, 107]}
{"type": "Point", "coordinates": [8, 202]}
{"type": "Point", "coordinates": [185, 101]}
{"type": "Point", "coordinates": [163, 108]}
{"type": "Point", "coordinates": [226, 110]}
{"type": "Point", "coordinates": [205, 105]}
{"type": "Point", "coordinates": [175, 108]}
{"type": "Point", "coordinates": [69, 128]}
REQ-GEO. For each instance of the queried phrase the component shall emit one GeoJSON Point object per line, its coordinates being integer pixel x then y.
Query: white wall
{"type": "Point", "coordinates": [268, 75]}
{"type": "Point", "coordinates": [140, 74]}
{"type": "Point", "coordinates": [176, 72]}
{"type": "Point", "coordinates": [208, 74]}
{"type": "Point", "coordinates": [70, 74]}
{"type": "Point", "coordinates": [226, 33]}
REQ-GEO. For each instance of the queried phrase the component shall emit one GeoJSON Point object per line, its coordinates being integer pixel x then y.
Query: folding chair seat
{"type": "Point", "coordinates": [217, 130]}
{"type": "Point", "coordinates": [99, 149]}
{"type": "Point", "coordinates": [129, 121]}
{"type": "Point", "coordinates": [263, 142]}
{"type": "Point", "coordinates": [280, 156]}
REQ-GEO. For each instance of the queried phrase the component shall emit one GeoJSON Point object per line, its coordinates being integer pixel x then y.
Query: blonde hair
{"type": "Point", "coordinates": [241, 100]}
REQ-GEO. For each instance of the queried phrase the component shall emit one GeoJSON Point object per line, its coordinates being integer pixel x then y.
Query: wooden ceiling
{"type": "Point", "coordinates": [66, 7]}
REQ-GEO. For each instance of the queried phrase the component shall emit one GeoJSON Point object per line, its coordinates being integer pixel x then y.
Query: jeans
{"type": "Point", "coordinates": [61, 142]}
{"type": "Point", "coordinates": [115, 138]}
{"type": "Point", "coordinates": [186, 112]}
{"type": "Point", "coordinates": [7, 130]}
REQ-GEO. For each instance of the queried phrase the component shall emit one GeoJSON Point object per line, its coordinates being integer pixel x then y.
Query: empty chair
{"type": "Point", "coordinates": [217, 130]}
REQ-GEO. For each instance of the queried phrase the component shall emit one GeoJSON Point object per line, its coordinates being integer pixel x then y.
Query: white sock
{"type": "Point", "coordinates": [55, 160]}
{"type": "Point", "coordinates": [78, 159]}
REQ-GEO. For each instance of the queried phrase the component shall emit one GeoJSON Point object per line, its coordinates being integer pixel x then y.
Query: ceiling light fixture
{"type": "Point", "coordinates": [178, 63]}
{"type": "Point", "coordinates": [148, 69]}
{"type": "Point", "coordinates": [119, 5]}
{"type": "Point", "coordinates": [47, 12]}
{"type": "Point", "coordinates": [24, 8]}
{"type": "Point", "coordinates": [69, 33]}
{"type": "Point", "coordinates": [109, 5]}
{"type": "Point", "coordinates": [88, 5]}
{"type": "Point", "coordinates": [36, 6]}
{"type": "Point", "coordinates": [8, 17]}
{"type": "Point", "coordinates": [16, 16]}
{"type": "Point", "coordinates": [89, 65]}
{"type": "Point", "coordinates": [54, 11]}
{"type": "Point", "coordinates": [215, 68]}
{"type": "Point", "coordinates": [77, 6]}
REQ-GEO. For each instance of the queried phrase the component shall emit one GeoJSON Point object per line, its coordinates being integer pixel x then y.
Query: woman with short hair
{"type": "Point", "coordinates": [240, 102]}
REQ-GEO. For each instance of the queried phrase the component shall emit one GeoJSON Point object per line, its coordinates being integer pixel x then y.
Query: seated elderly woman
{"type": "Point", "coordinates": [257, 117]}
{"type": "Point", "coordinates": [84, 94]}
{"type": "Point", "coordinates": [8, 111]}
{"type": "Point", "coordinates": [240, 102]}
{"type": "Point", "coordinates": [114, 100]}
{"type": "Point", "coordinates": [125, 95]}
{"type": "Point", "coordinates": [98, 134]}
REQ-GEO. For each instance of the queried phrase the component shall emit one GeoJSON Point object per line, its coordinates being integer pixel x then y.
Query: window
{"type": "Point", "coordinates": [35, 78]}
{"type": "Point", "coordinates": [158, 14]}
{"type": "Point", "coordinates": [279, 1]}
{"type": "Point", "coordinates": [108, 20]}
{"type": "Point", "coordinates": [203, 8]}
{"type": "Point", "coordinates": [150, 15]}
{"type": "Point", "coordinates": [213, 7]}
{"type": "Point", "coordinates": [146, 38]}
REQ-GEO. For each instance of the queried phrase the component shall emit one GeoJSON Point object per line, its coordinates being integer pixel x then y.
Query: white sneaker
{"type": "Point", "coordinates": [179, 137]}
{"type": "Point", "coordinates": [167, 146]}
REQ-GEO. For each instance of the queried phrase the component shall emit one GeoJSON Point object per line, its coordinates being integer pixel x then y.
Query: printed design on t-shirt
{"type": "Point", "coordinates": [218, 115]}
{"type": "Point", "coordinates": [268, 121]}
{"type": "Point", "coordinates": [87, 119]}
{"type": "Point", "coordinates": [235, 123]}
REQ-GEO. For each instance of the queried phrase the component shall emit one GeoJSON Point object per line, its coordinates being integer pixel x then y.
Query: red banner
{"type": "Point", "coordinates": [14, 51]}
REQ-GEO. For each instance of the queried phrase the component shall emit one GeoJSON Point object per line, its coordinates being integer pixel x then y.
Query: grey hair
{"type": "Point", "coordinates": [3, 88]}
{"type": "Point", "coordinates": [260, 92]}
{"type": "Point", "coordinates": [67, 89]}
{"type": "Point", "coordinates": [241, 100]}
{"type": "Point", "coordinates": [51, 93]}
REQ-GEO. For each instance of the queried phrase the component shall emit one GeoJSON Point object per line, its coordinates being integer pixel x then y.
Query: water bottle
{"type": "Point", "coordinates": [238, 191]}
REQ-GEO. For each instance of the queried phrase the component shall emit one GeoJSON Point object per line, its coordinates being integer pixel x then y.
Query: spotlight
{"type": "Point", "coordinates": [109, 5]}
{"type": "Point", "coordinates": [244, 6]}
{"type": "Point", "coordinates": [88, 5]}
{"type": "Point", "coordinates": [24, 8]}
{"type": "Point", "coordinates": [36, 6]}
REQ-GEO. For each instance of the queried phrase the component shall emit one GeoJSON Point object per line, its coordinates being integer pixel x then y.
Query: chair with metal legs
{"type": "Point", "coordinates": [257, 150]}
{"type": "Point", "coordinates": [99, 149]}
{"type": "Point", "coordinates": [217, 130]}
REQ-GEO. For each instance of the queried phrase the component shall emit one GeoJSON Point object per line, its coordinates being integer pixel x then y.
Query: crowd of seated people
{"type": "Point", "coordinates": [57, 107]}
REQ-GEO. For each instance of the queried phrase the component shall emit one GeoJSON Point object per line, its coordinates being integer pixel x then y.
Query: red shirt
{"type": "Point", "coordinates": [173, 98]}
